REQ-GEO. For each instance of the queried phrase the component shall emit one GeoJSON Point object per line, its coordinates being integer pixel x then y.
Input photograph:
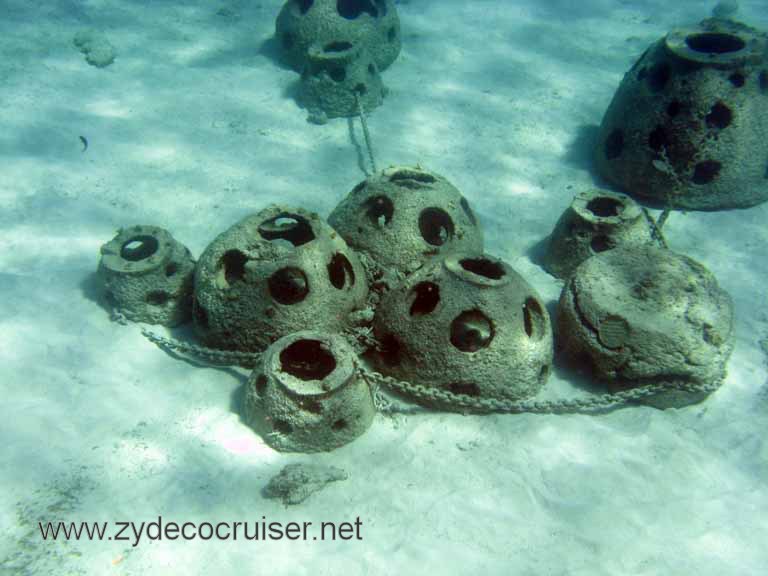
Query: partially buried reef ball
{"type": "Point", "coordinates": [147, 276]}
{"type": "Point", "coordinates": [647, 316]}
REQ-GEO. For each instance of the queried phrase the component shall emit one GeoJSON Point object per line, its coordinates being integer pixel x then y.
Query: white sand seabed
{"type": "Point", "coordinates": [193, 127]}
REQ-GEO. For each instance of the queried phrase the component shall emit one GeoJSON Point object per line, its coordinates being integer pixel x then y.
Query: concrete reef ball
{"type": "Point", "coordinates": [688, 126]}
{"type": "Point", "coordinates": [336, 78]}
{"type": "Point", "coordinates": [306, 395]}
{"type": "Point", "coordinates": [467, 325]}
{"type": "Point", "coordinates": [403, 216]}
{"type": "Point", "coordinates": [275, 272]}
{"type": "Point", "coordinates": [371, 24]}
{"type": "Point", "coordinates": [596, 221]}
{"type": "Point", "coordinates": [646, 315]}
{"type": "Point", "coordinates": [147, 275]}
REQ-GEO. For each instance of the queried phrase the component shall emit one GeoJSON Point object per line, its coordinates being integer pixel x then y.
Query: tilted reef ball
{"type": "Point", "coordinates": [646, 315]}
{"type": "Point", "coordinates": [275, 272]}
{"type": "Point", "coordinates": [147, 275]}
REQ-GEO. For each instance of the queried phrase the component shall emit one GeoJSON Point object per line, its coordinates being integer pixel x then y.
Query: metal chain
{"type": "Point", "coordinates": [437, 397]}
{"type": "Point", "coordinates": [447, 400]}
{"type": "Point", "coordinates": [366, 134]}
{"type": "Point", "coordinates": [225, 357]}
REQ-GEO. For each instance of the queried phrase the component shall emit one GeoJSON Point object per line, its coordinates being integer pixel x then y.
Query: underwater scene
{"type": "Point", "coordinates": [380, 287]}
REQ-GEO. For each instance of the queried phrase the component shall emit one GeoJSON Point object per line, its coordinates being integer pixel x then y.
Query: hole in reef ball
{"type": "Point", "coordinates": [340, 270]}
{"type": "Point", "coordinates": [339, 425]}
{"type": "Point", "coordinates": [706, 171]}
{"type": "Point", "coordinates": [139, 248]}
{"type": "Point", "coordinates": [674, 108]}
{"type": "Point", "coordinates": [657, 139]}
{"type": "Point", "coordinates": [390, 350]}
{"type": "Point", "coordinates": [307, 360]}
{"type": "Point", "coordinates": [288, 285]}
{"type": "Point", "coordinates": [412, 179]}
{"type": "Point", "coordinates": [737, 79]}
{"type": "Point", "coordinates": [427, 297]}
{"type": "Point", "coordinates": [436, 226]}
{"type": "Point", "coordinates": [600, 243]}
{"type": "Point", "coordinates": [351, 9]}
{"type": "Point", "coordinates": [282, 426]}
{"type": "Point", "coordinates": [604, 206]}
{"type": "Point", "coordinates": [614, 144]}
{"type": "Point", "coordinates": [719, 116]}
{"type": "Point", "coordinates": [483, 267]}
{"type": "Point", "coordinates": [471, 331]}
{"type": "Point", "coordinates": [304, 5]}
{"type": "Point", "coordinates": [340, 46]}
{"type": "Point", "coordinates": [762, 80]}
{"type": "Point", "coordinates": [533, 319]}
{"type": "Point", "coordinates": [337, 74]}
{"type": "Point", "coordinates": [171, 269]}
{"type": "Point", "coordinates": [379, 210]}
{"type": "Point", "coordinates": [289, 227]}
{"type": "Point", "coordinates": [158, 297]}
{"type": "Point", "coordinates": [233, 265]}
{"type": "Point", "coordinates": [714, 43]}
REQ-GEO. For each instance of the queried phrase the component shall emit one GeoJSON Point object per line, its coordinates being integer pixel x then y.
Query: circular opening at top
{"type": "Point", "coordinates": [339, 46]}
{"type": "Point", "coordinates": [483, 267]}
{"type": "Point", "coordinates": [604, 206]}
{"type": "Point", "coordinates": [714, 43]}
{"type": "Point", "coordinates": [139, 248]}
{"type": "Point", "coordinates": [351, 9]}
{"type": "Point", "coordinates": [307, 360]}
{"type": "Point", "coordinates": [289, 227]}
{"type": "Point", "coordinates": [412, 179]}
{"type": "Point", "coordinates": [304, 5]}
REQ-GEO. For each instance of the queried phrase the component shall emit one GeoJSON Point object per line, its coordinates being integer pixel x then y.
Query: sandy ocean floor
{"type": "Point", "coordinates": [194, 126]}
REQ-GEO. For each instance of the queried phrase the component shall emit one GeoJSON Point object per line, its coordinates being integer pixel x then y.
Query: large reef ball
{"type": "Point", "coordinates": [275, 272]}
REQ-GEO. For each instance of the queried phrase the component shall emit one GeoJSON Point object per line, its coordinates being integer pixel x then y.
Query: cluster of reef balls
{"type": "Point", "coordinates": [402, 286]}
{"type": "Point", "coordinates": [396, 282]}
